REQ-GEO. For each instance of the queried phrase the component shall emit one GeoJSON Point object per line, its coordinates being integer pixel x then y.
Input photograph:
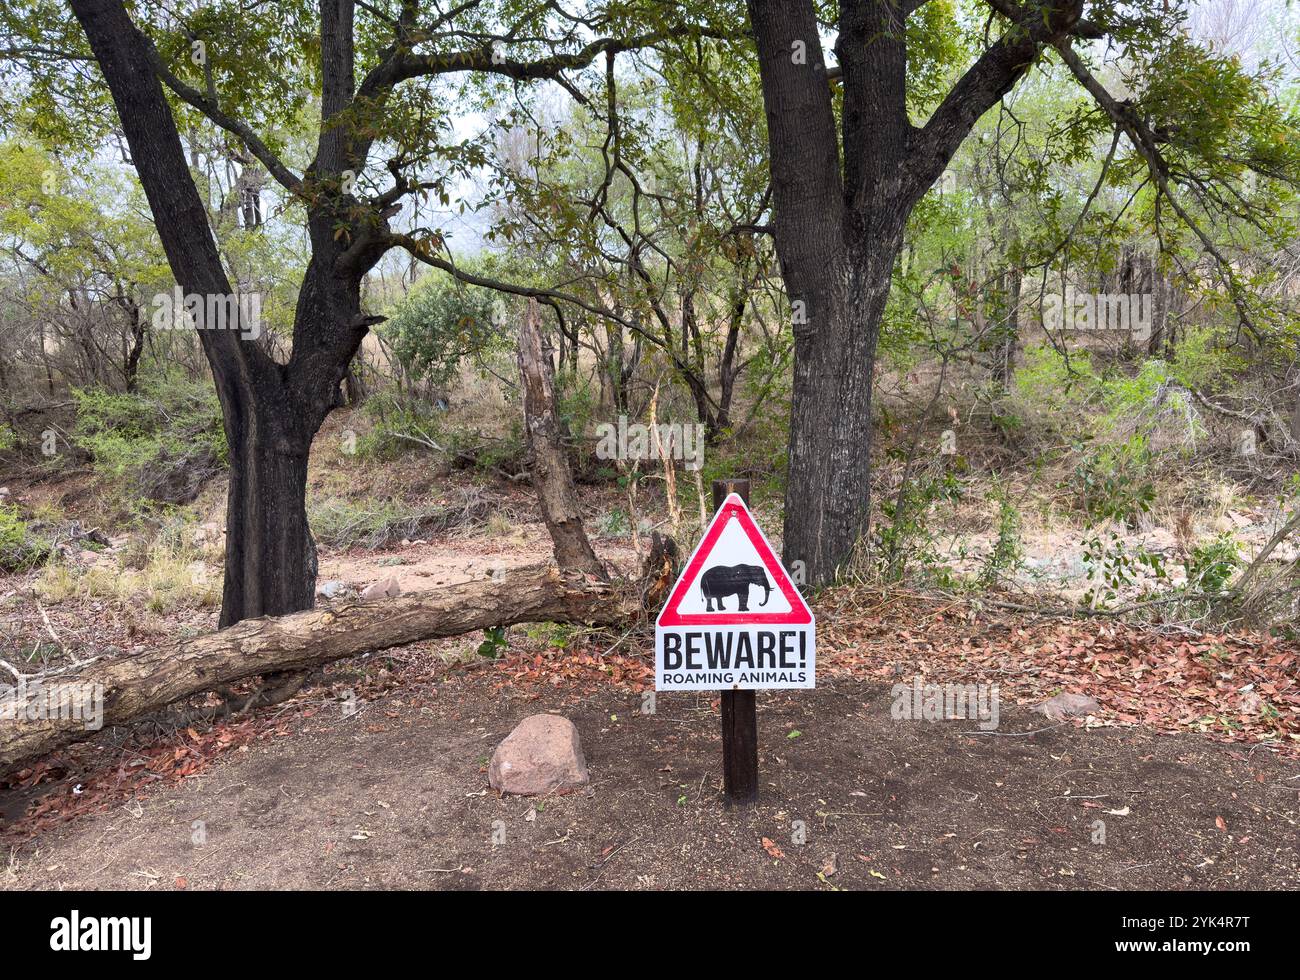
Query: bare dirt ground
{"type": "Point", "coordinates": [396, 796]}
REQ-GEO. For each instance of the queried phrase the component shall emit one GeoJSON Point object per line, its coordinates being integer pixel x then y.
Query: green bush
{"type": "Point", "coordinates": [395, 421]}
{"type": "Point", "coordinates": [441, 323]}
{"type": "Point", "coordinates": [158, 443]}
{"type": "Point", "coordinates": [402, 424]}
{"type": "Point", "coordinates": [20, 549]}
{"type": "Point", "coordinates": [904, 539]}
{"type": "Point", "coordinates": [1212, 564]}
{"type": "Point", "coordinates": [1051, 392]}
{"type": "Point", "coordinates": [1112, 484]}
{"type": "Point", "coordinates": [1007, 552]}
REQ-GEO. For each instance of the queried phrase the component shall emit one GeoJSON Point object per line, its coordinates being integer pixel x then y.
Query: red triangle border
{"type": "Point", "coordinates": [734, 506]}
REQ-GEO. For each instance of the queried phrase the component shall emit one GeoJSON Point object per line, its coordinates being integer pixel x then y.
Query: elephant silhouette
{"type": "Point", "coordinates": [721, 581]}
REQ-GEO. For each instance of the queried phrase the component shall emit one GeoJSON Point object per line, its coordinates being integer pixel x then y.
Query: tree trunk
{"type": "Point", "coordinates": [131, 367]}
{"type": "Point", "coordinates": [271, 411]}
{"type": "Point", "coordinates": [548, 458]}
{"type": "Point", "coordinates": [144, 682]}
{"type": "Point", "coordinates": [1295, 411]}
{"type": "Point", "coordinates": [354, 387]}
{"type": "Point", "coordinates": [838, 227]}
{"type": "Point", "coordinates": [727, 368]}
{"type": "Point", "coordinates": [270, 554]}
{"type": "Point", "coordinates": [828, 499]}
{"type": "Point", "coordinates": [271, 418]}
{"type": "Point", "coordinates": [1010, 330]}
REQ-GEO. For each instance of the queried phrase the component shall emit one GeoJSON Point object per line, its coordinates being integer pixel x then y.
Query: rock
{"type": "Point", "coordinates": [1068, 706]}
{"type": "Point", "coordinates": [329, 589]}
{"type": "Point", "coordinates": [543, 754]}
{"type": "Point", "coordinates": [387, 588]}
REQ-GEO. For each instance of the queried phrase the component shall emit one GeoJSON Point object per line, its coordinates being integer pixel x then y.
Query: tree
{"type": "Point", "coordinates": [76, 267]}
{"type": "Point", "coordinates": [224, 64]}
{"type": "Point", "coordinates": [641, 202]}
{"type": "Point", "coordinates": [843, 194]}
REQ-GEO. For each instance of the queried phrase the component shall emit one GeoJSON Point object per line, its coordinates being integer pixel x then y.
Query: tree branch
{"type": "Point", "coordinates": [209, 108]}
{"type": "Point", "coordinates": [991, 77]}
{"type": "Point", "coordinates": [1146, 144]}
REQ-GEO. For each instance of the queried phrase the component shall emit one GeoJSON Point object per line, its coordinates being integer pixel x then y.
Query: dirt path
{"type": "Point", "coordinates": [396, 795]}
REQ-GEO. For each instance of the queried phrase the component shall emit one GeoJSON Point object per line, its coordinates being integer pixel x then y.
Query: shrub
{"type": "Point", "coordinates": [160, 443]}
{"type": "Point", "coordinates": [441, 323]}
{"type": "Point", "coordinates": [374, 524]}
{"type": "Point", "coordinates": [395, 422]}
{"type": "Point", "coordinates": [1007, 552]}
{"type": "Point", "coordinates": [20, 549]}
{"type": "Point", "coordinates": [1212, 564]}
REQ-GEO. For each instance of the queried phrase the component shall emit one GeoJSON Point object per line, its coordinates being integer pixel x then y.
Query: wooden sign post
{"type": "Point", "coordinates": [739, 708]}
{"type": "Point", "coordinates": [735, 623]}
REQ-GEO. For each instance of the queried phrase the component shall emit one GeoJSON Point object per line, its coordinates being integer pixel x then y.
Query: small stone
{"type": "Point", "coordinates": [1068, 706]}
{"type": "Point", "coordinates": [329, 589]}
{"type": "Point", "coordinates": [543, 754]}
{"type": "Point", "coordinates": [383, 589]}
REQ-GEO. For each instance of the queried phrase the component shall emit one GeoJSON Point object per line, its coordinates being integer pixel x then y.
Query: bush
{"type": "Point", "coordinates": [1112, 484]}
{"type": "Point", "coordinates": [374, 524]}
{"type": "Point", "coordinates": [1007, 552]}
{"type": "Point", "coordinates": [441, 323]}
{"type": "Point", "coordinates": [1049, 394]}
{"type": "Point", "coordinates": [20, 549]}
{"type": "Point", "coordinates": [1212, 564]}
{"type": "Point", "coordinates": [160, 443]}
{"type": "Point", "coordinates": [395, 422]}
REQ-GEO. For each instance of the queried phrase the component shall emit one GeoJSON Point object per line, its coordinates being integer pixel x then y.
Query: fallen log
{"type": "Point", "coordinates": [46, 712]}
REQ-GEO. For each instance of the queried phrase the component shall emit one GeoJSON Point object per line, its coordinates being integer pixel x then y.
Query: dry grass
{"type": "Point", "coordinates": [167, 583]}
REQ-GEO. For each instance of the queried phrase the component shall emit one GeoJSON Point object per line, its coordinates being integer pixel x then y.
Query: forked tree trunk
{"type": "Point", "coordinates": [271, 411]}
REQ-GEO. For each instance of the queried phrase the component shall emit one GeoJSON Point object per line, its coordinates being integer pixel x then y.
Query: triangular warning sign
{"type": "Point", "coordinates": [733, 578]}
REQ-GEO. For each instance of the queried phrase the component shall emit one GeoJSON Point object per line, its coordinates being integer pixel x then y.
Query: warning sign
{"type": "Point", "coordinates": [734, 621]}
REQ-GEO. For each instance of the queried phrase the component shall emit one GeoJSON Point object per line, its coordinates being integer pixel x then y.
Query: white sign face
{"type": "Point", "coordinates": [734, 621]}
